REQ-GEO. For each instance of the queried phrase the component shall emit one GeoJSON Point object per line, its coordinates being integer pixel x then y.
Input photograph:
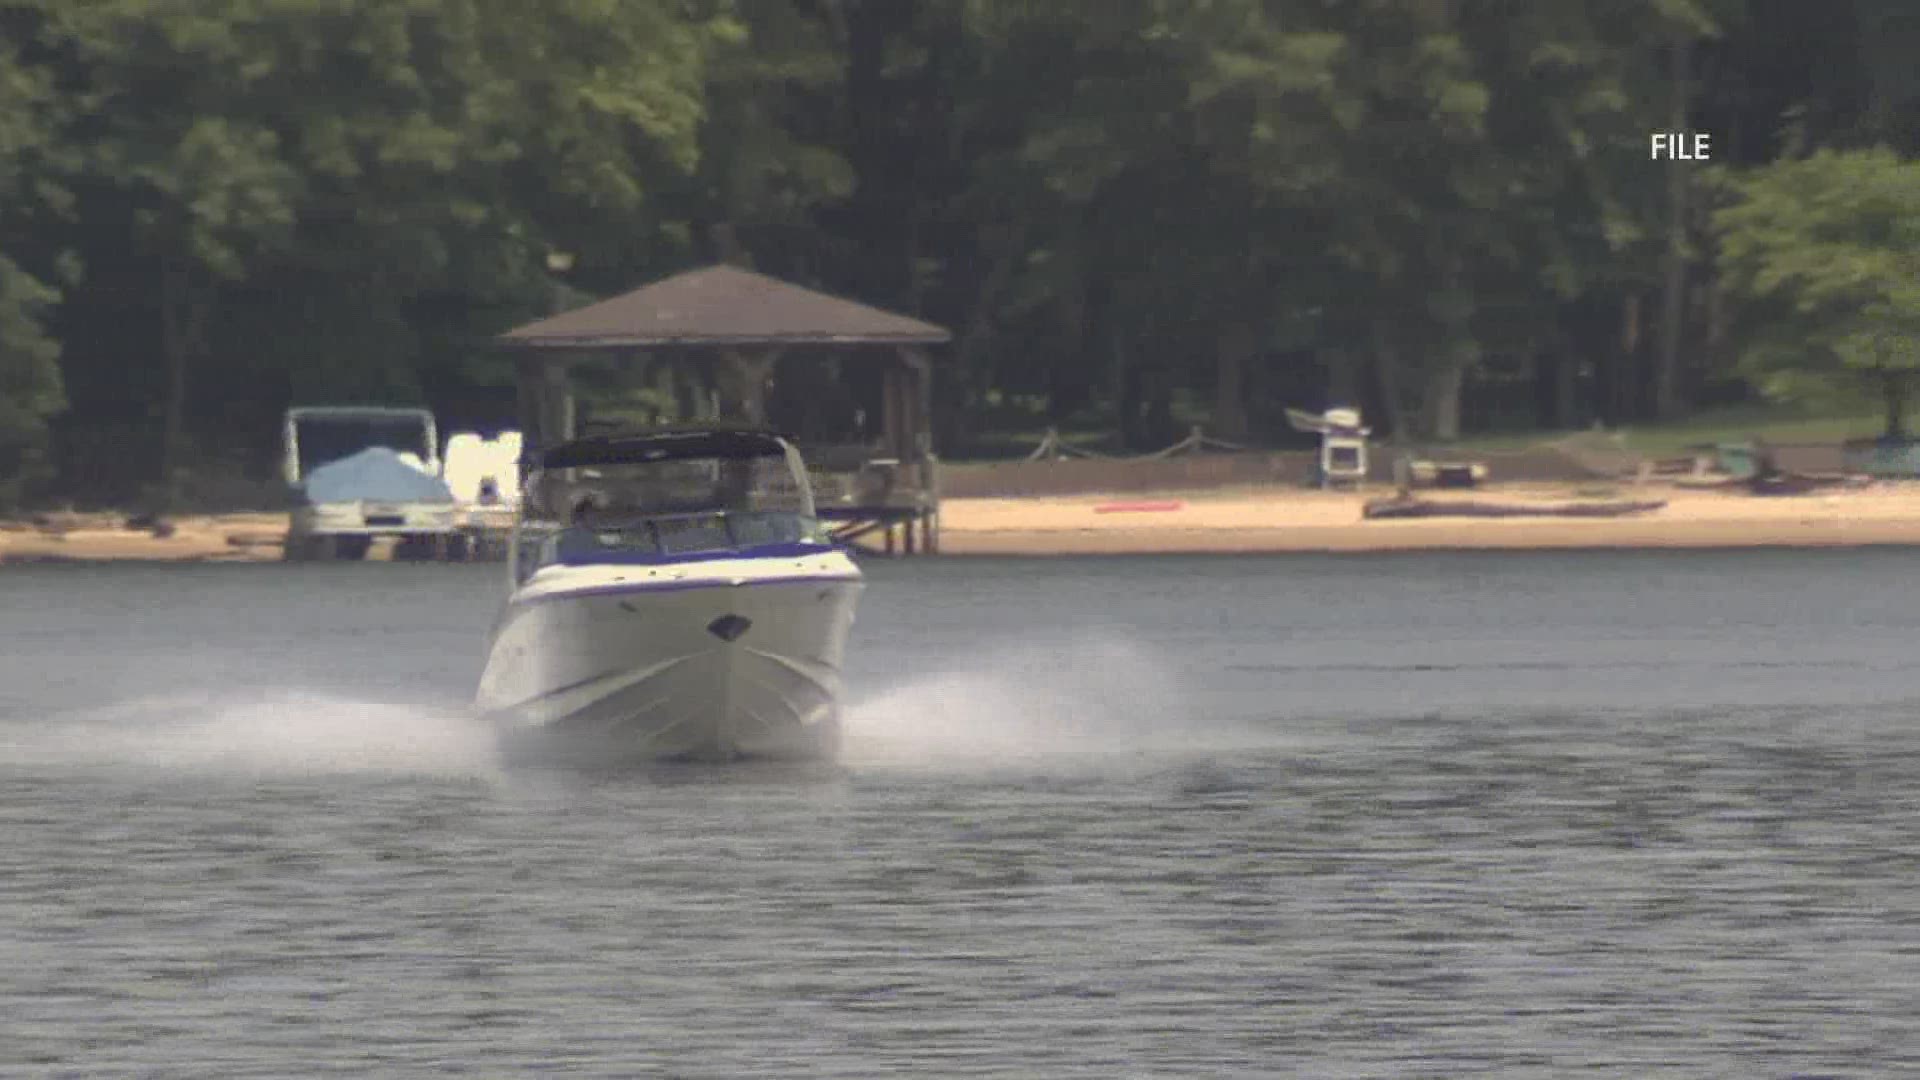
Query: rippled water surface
{"type": "Point", "coordinates": [1410, 816]}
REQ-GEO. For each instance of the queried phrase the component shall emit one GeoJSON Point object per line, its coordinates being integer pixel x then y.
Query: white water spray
{"type": "Point", "coordinates": [264, 734]}
{"type": "Point", "coordinates": [1089, 703]}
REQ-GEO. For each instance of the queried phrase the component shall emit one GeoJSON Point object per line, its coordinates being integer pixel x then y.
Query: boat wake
{"type": "Point", "coordinates": [282, 733]}
{"type": "Point", "coordinates": [1092, 704]}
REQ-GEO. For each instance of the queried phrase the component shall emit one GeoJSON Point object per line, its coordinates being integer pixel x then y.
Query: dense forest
{"type": "Point", "coordinates": [1133, 214]}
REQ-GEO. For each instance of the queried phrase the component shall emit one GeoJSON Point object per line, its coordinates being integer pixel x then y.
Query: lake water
{"type": "Point", "coordinates": [1637, 814]}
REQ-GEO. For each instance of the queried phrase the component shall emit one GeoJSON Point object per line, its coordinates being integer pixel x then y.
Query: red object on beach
{"type": "Point", "coordinates": [1136, 507]}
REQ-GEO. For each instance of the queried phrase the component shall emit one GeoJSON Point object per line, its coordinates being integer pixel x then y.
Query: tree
{"type": "Point", "coordinates": [30, 387]}
{"type": "Point", "coordinates": [30, 390]}
{"type": "Point", "coordinates": [334, 198]}
{"type": "Point", "coordinates": [1823, 254]}
{"type": "Point", "coordinates": [1147, 212]}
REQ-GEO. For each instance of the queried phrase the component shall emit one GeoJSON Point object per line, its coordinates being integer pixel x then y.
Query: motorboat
{"type": "Point", "coordinates": [673, 597]}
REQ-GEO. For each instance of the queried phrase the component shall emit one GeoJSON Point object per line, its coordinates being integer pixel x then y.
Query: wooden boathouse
{"type": "Point", "coordinates": [880, 489]}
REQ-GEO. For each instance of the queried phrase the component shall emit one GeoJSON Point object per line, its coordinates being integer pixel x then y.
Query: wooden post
{"type": "Point", "coordinates": [557, 397]}
{"type": "Point", "coordinates": [529, 392]}
{"type": "Point", "coordinates": [743, 378]}
{"type": "Point", "coordinates": [545, 393]}
{"type": "Point", "coordinates": [922, 390]}
{"type": "Point", "coordinates": [915, 404]}
{"type": "Point", "coordinates": [892, 422]}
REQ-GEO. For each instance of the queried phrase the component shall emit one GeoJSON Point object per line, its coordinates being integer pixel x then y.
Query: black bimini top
{"type": "Point", "coordinates": [665, 444]}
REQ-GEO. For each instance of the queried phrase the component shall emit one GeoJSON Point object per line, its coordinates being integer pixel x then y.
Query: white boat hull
{"type": "Point", "coordinates": [710, 660]}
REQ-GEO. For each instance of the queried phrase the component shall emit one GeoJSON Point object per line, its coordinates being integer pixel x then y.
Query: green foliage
{"type": "Point", "coordinates": [1129, 209]}
{"type": "Point", "coordinates": [30, 390]}
{"type": "Point", "coordinates": [30, 386]}
{"type": "Point", "coordinates": [301, 200]}
{"type": "Point", "coordinates": [1825, 253]}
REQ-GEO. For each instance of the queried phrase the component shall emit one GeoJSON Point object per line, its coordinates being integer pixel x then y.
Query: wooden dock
{"type": "Point", "coordinates": [879, 504]}
{"type": "Point", "coordinates": [887, 530]}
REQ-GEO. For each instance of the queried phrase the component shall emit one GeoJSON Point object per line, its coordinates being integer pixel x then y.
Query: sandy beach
{"type": "Point", "coordinates": [1244, 521]}
{"type": "Point", "coordinates": [1311, 521]}
{"type": "Point", "coordinates": [105, 537]}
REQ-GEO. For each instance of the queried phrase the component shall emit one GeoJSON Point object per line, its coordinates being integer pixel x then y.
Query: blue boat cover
{"type": "Point", "coordinates": [375, 474]}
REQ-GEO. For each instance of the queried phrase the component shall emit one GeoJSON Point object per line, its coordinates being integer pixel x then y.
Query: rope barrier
{"type": "Point", "coordinates": [1052, 447]}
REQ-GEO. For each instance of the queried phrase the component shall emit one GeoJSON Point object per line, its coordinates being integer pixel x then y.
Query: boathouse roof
{"type": "Point", "coordinates": [723, 306]}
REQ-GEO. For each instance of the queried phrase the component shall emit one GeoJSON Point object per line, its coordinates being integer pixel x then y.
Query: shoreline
{"type": "Point", "coordinates": [103, 537]}
{"type": "Point", "coordinates": [1226, 522]}
{"type": "Point", "coordinates": [1054, 546]}
{"type": "Point", "coordinates": [1327, 523]}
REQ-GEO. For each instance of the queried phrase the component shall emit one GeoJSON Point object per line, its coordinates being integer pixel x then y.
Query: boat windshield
{"type": "Point", "coordinates": [641, 511]}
